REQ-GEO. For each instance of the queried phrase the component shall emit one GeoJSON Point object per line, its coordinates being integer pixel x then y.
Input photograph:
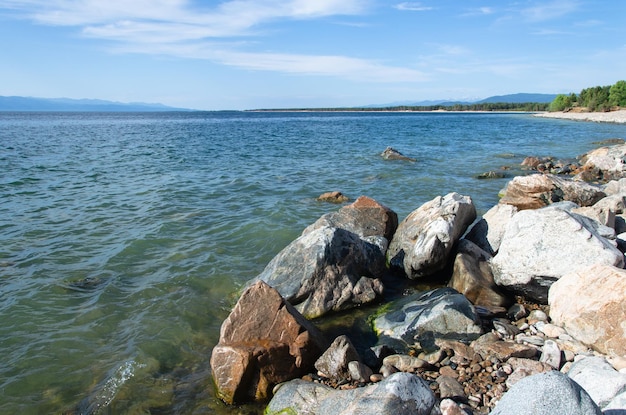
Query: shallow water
{"type": "Point", "coordinates": [125, 237]}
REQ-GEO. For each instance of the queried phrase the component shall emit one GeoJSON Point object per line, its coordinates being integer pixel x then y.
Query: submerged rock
{"type": "Point", "coordinates": [333, 197]}
{"type": "Point", "coordinates": [391, 153]}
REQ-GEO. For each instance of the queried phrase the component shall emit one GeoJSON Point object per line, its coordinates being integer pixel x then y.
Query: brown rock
{"type": "Point", "coordinates": [448, 371]}
{"type": "Point", "coordinates": [539, 190]}
{"type": "Point", "coordinates": [449, 387]}
{"type": "Point", "coordinates": [589, 304]}
{"type": "Point", "coordinates": [504, 350]}
{"type": "Point", "coordinates": [264, 341]}
{"type": "Point", "coordinates": [333, 197]}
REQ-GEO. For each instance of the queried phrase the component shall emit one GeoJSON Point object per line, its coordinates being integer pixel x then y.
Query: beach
{"type": "Point", "coordinates": [612, 116]}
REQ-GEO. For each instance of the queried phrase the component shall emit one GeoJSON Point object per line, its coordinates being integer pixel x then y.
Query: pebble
{"type": "Point", "coordinates": [537, 315]}
{"type": "Point", "coordinates": [551, 354]}
{"type": "Point", "coordinates": [448, 371]}
{"type": "Point", "coordinates": [376, 377]}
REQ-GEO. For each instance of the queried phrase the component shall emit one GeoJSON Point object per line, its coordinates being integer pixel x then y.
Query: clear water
{"type": "Point", "coordinates": [125, 237]}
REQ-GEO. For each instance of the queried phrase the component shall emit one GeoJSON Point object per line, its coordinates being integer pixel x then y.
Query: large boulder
{"type": "Point", "coordinates": [598, 378]}
{"type": "Point", "coordinates": [540, 246]}
{"type": "Point", "coordinates": [487, 231]}
{"type": "Point", "coordinates": [399, 394]}
{"type": "Point", "coordinates": [365, 217]}
{"type": "Point", "coordinates": [424, 239]}
{"type": "Point", "coordinates": [546, 394]}
{"type": "Point", "coordinates": [472, 276]}
{"type": "Point", "coordinates": [604, 163]}
{"type": "Point", "coordinates": [327, 269]}
{"type": "Point", "coordinates": [421, 318]}
{"type": "Point", "coordinates": [589, 304]}
{"type": "Point", "coordinates": [539, 190]}
{"type": "Point", "coordinates": [263, 342]}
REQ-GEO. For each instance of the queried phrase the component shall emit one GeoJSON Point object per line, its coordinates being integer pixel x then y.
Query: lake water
{"type": "Point", "coordinates": [125, 237]}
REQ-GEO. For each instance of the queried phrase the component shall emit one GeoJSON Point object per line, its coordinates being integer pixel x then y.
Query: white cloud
{"type": "Point", "coordinates": [412, 6]}
{"type": "Point", "coordinates": [182, 29]}
{"type": "Point", "coordinates": [549, 10]}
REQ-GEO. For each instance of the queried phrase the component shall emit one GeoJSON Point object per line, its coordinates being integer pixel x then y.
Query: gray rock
{"type": "Point", "coordinates": [601, 381]}
{"type": "Point", "coordinates": [487, 231]}
{"type": "Point", "coordinates": [540, 246]}
{"type": "Point", "coordinates": [405, 363]}
{"type": "Point", "coordinates": [423, 317]}
{"type": "Point", "coordinates": [546, 394]}
{"type": "Point", "coordinates": [327, 269]}
{"type": "Point", "coordinates": [551, 354]}
{"type": "Point", "coordinates": [449, 387]}
{"type": "Point", "coordinates": [399, 394]}
{"type": "Point", "coordinates": [615, 187]}
{"type": "Point", "coordinates": [359, 372]}
{"type": "Point", "coordinates": [391, 153]}
{"type": "Point", "coordinates": [617, 406]}
{"type": "Point", "coordinates": [365, 217]}
{"type": "Point", "coordinates": [424, 239]}
{"type": "Point", "coordinates": [334, 361]}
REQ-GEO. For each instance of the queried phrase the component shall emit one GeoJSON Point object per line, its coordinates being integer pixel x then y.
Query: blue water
{"type": "Point", "coordinates": [125, 237]}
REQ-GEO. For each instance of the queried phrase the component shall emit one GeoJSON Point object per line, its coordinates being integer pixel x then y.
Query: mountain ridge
{"type": "Point", "coordinates": [18, 103]}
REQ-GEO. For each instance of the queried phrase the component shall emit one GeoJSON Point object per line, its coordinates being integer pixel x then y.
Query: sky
{"type": "Point", "coordinates": [248, 54]}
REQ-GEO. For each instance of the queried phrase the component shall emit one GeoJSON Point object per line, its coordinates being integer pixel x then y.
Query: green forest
{"type": "Point", "coordinates": [597, 98]}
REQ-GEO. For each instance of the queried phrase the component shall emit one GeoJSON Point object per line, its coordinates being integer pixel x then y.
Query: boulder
{"type": "Point", "coordinates": [598, 378]}
{"type": "Point", "coordinates": [604, 163]}
{"type": "Point", "coordinates": [487, 232]}
{"type": "Point", "coordinates": [424, 239]}
{"type": "Point", "coordinates": [615, 187]}
{"type": "Point", "coordinates": [472, 277]}
{"type": "Point", "coordinates": [391, 153]}
{"type": "Point", "coordinates": [365, 217]}
{"type": "Point", "coordinates": [263, 342]}
{"type": "Point", "coordinates": [540, 246]}
{"type": "Point", "coordinates": [326, 269]}
{"type": "Point", "coordinates": [426, 316]}
{"type": "Point", "coordinates": [333, 363]}
{"type": "Point", "coordinates": [546, 394]}
{"type": "Point", "coordinates": [589, 304]}
{"type": "Point", "coordinates": [539, 190]}
{"type": "Point", "coordinates": [399, 394]}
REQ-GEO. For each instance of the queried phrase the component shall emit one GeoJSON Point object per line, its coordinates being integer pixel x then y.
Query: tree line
{"type": "Point", "coordinates": [487, 106]}
{"type": "Point", "coordinates": [597, 98]}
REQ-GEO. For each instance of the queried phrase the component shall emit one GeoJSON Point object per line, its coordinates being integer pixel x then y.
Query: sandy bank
{"type": "Point", "coordinates": [613, 116]}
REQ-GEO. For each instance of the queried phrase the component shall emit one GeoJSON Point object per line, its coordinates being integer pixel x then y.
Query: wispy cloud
{"type": "Point", "coordinates": [183, 29]}
{"type": "Point", "coordinates": [479, 11]}
{"type": "Point", "coordinates": [550, 10]}
{"type": "Point", "coordinates": [412, 6]}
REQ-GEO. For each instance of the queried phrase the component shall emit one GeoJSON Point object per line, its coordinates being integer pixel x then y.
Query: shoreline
{"type": "Point", "coordinates": [617, 117]}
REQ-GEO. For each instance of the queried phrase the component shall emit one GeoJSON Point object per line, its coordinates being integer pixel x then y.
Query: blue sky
{"type": "Point", "coordinates": [244, 54]}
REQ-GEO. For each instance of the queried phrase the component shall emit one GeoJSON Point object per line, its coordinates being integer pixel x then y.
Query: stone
{"type": "Point", "coordinates": [537, 316]}
{"type": "Point", "coordinates": [598, 378]}
{"type": "Point", "coordinates": [450, 407]}
{"type": "Point", "coordinates": [615, 187]}
{"type": "Point", "coordinates": [517, 312]}
{"type": "Point", "coordinates": [487, 231]}
{"type": "Point", "coordinates": [334, 361]}
{"type": "Point", "coordinates": [551, 354]}
{"type": "Point", "coordinates": [365, 217]}
{"type": "Point", "coordinates": [546, 394]}
{"type": "Point", "coordinates": [605, 163]}
{"type": "Point", "coordinates": [405, 363]}
{"type": "Point", "coordinates": [523, 367]}
{"type": "Point", "coordinates": [605, 210]}
{"type": "Point", "coordinates": [391, 153]}
{"type": "Point", "coordinates": [333, 197]}
{"type": "Point", "coordinates": [423, 317]}
{"type": "Point", "coordinates": [540, 246]}
{"type": "Point", "coordinates": [399, 394]}
{"type": "Point", "coordinates": [264, 341]}
{"type": "Point", "coordinates": [538, 190]}
{"type": "Point", "coordinates": [449, 387]}
{"type": "Point", "coordinates": [472, 277]}
{"type": "Point", "coordinates": [617, 406]}
{"type": "Point", "coordinates": [359, 372]}
{"type": "Point", "coordinates": [550, 330]}
{"type": "Point", "coordinates": [425, 238]}
{"type": "Point", "coordinates": [327, 269]}
{"type": "Point", "coordinates": [504, 350]}
{"type": "Point", "coordinates": [589, 304]}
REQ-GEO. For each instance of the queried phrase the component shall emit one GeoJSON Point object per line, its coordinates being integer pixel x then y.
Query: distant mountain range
{"type": "Point", "coordinates": [511, 98]}
{"type": "Point", "coordinates": [78, 105]}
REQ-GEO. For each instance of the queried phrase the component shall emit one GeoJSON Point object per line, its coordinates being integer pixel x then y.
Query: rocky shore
{"type": "Point", "coordinates": [525, 315]}
{"type": "Point", "coordinates": [612, 116]}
